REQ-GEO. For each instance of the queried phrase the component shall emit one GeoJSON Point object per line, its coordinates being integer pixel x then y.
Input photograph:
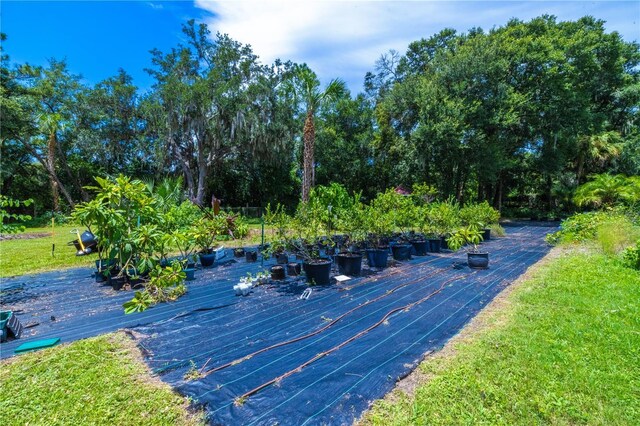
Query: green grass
{"type": "Point", "coordinates": [26, 256]}
{"type": "Point", "coordinates": [565, 350]}
{"type": "Point", "coordinates": [98, 381]}
{"type": "Point", "coordinates": [23, 256]}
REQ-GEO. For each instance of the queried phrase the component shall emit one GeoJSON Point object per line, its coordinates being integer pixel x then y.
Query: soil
{"type": "Point", "coordinates": [25, 236]}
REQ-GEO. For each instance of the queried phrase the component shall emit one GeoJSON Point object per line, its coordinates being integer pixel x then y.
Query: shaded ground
{"type": "Point", "coordinates": [373, 330]}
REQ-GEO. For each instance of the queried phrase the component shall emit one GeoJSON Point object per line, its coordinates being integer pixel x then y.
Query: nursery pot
{"type": "Point", "coordinates": [100, 277]}
{"type": "Point", "coordinates": [443, 242]}
{"type": "Point", "coordinates": [421, 247]}
{"type": "Point", "coordinates": [294, 269]}
{"type": "Point", "coordinates": [377, 258]}
{"type": "Point", "coordinates": [486, 234]}
{"type": "Point", "coordinates": [401, 251]}
{"type": "Point", "coordinates": [282, 258]}
{"type": "Point", "coordinates": [239, 252]}
{"type": "Point", "coordinates": [277, 272]}
{"type": "Point", "coordinates": [318, 271]}
{"type": "Point", "coordinates": [207, 259]}
{"type": "Point", "coordinates": [116, 282]}
{"type": "Point", "coordinates": [191, 273]}
{"type": "Point", "coordinates": [435, 244]}
{"type": "Point", "coordinates": [251, 256]}
{"type": "Point", "coordinates": [478, 260]}
{"type": "Point", "coordinates": [349, 264]}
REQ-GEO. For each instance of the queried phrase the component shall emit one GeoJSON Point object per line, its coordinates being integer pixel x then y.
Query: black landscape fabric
{"type": "Point", "coordinates": [270, 357]}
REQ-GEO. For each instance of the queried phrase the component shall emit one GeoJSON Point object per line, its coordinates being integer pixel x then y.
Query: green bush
{"type": "Point", "coordinates": [580, 227]}
{"type": "Point", "coordinates": [631, 256]}
{"type": "Point", "coordinates": [616, 234]}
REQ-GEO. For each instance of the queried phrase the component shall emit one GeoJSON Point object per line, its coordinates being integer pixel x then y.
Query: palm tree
{"type": "Point", "coordinates": [606, 190]}
{"type": "Point", "coordinates": [308, 89]}
{"type": "Point", "coordinates": [600, 149]}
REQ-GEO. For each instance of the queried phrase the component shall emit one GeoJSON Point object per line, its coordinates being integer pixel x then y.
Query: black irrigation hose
{"type": "Point", "coordinates": [240, 400]}
{"type": "Point", "coordinates": [361, 283]}
{"type": "Point", "coordinates": [316, 332]}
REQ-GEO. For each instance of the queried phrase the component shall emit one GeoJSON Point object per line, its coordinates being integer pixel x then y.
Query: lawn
{"type": "Point", "coordinates": [101, 380]}
{"type": "Point", "coordinates": [25, 256]}
{"type": "Point", "coordinates": [562, 348]}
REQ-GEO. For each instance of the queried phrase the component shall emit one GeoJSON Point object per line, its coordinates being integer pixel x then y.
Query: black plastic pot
{"type": "Point", "coordinates": [239, 252]}
{"type": "Point", "coordinates": [191, 273]}
{"type": "Point", "coordinates": [100, 276]}
{"type": "Point", "coordinates": [251, 256]}
{"type": "Point", "coordinates": [116, 282]}
{"type": "Point", "coordinates": [486, 234]}
{"type": "Point", "coordinates": [318, 271]}
{"type": "Point", "coordinates": [421, 247]}
{"type": "Point", "coordinates": [294, 269]}
{"type": "Point", "coordinates": [377, 258]}
{"type": "Point", "coordinates": [282, 259]}
{"type": "Point", "coordinates": [478, 260]}
{"type": "Point", "coordinates": [401, 251]}
{"type": "Point", "coordinates": [277, 272]}
{"type": "Point", "coordinates": [349, 264]}
{"type": "Point", "coordinates": [207, 259]}
{"type": "Point", "coordinates": [435, 244]}
{"type": "Point", "coordinates": [443, 242]}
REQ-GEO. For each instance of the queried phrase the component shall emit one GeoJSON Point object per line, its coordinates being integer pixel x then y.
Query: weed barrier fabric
{"type": "Point", "coordinates": [210, 327]}
{"type": "Point", "coordinates": [339, 387]}
{"type": "Point", "coordinates": [69, 303]}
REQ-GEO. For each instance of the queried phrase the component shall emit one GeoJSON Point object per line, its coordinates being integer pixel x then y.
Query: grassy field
{"type": "Point", "coordinates": [563, 348]}
{"type": "Point", "coordinates": [25, 256]}
{"type": "Point", "coordinates": [97, 381]}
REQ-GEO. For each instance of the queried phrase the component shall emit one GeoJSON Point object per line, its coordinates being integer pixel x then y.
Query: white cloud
{"type": "Point", "coordinates": [344, 38]}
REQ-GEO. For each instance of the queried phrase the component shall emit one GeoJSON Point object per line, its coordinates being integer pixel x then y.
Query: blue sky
{"type": "Point", "coordinates": [336, 38]}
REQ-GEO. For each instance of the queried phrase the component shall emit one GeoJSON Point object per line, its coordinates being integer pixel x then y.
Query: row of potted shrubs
{"type": "Point", "coordinates": [392, 223]}
{"type": "Point", "coordinates": [137, 228]}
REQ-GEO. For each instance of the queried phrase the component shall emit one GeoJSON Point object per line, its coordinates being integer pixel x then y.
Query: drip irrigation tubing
{"type": "Point", "coordinates": [380, 365]}
{"type": "Point", "coordinates": [204, 354]}
{"type": "Point", "coordinates": [305, 364]}
{"type": "Point", "coordinates": [493, 271]}
{"type": "Point", "coordinates": [318, 331]}
{"type": "Point", "coordinates": [247, 319]}
{"type": "Point", "coordinates": [235, 344]}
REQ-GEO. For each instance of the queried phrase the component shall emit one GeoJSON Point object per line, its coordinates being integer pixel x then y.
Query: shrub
{"type": "Point", "coordinates": [6, 202]}
{"type": "Point", "coordinates": [631, 256]}
{"type": "Point", "coordinates": [616, 234]}
{"type": "Point", "coordinates": [580, 227]}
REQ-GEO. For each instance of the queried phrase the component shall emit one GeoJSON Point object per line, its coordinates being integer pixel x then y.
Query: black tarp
{"type": "Point", "coordinates": [213, 327]}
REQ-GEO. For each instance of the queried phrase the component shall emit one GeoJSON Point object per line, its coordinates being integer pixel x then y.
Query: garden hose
{"type": "Point", "coordinates": [240, 400]}
{"type": "Point", "coordinates": [320, 330]}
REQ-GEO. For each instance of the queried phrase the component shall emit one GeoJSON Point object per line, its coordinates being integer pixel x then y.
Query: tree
{"type": "Point", "coordinates": [312, 98]}
{"type": "Point", "coordinates": [606, 190]}
{"type": "Point", "coordinates": [51, 98]}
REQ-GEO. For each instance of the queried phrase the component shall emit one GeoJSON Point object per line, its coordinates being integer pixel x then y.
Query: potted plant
{"type": "Point", "coordinates": [184, 241]}
{"type": "Point", "coordinates": [352, 222]}
{"type": "Point", "coordinates": [470, 235]}
{"type": "Point", "coordinates": [307, 226]}
{"type": "Point", "coordinates": [443, 219]}
{"type": "Point", "coordinates": [480, 215]}
{"type": "Point", "coordinates": [380, 229]}
{"type": "Point", "coordinates": [204, 235]}
{"type": "Point", "coordinates": [402, 213]}
{"type": "Point", "coordinates": [280, 221]}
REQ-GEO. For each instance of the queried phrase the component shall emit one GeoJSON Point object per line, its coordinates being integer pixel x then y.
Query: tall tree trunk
{"type": "Point", "coordinates": [202, 173]}
{"type": "Point", "coordinates": [309, 142]}
{"type": "Point", "coordinates": [72, 177]}
{"type": "Point", "coordinates": [51, 160]}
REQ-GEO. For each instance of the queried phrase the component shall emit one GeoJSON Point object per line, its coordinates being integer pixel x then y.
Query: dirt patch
{"type": "Point", "coordinates": [26, 236]}
{"type": "Point", "coordinates": [490, 316]}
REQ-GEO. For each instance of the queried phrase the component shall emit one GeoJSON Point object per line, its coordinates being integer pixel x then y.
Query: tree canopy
{"type": "Point", "coordinates": [520, 116]}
